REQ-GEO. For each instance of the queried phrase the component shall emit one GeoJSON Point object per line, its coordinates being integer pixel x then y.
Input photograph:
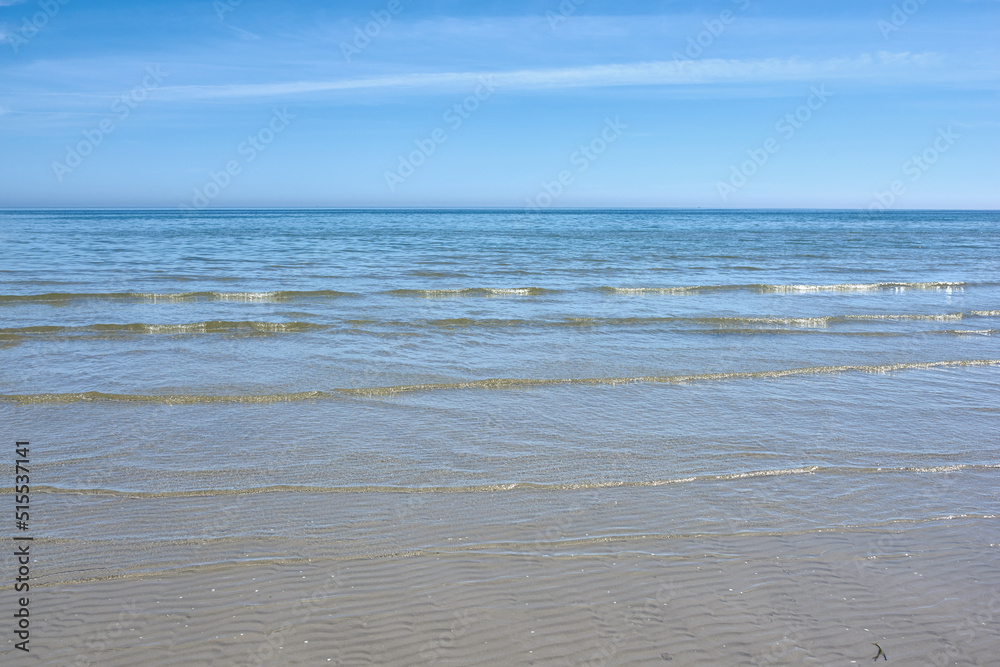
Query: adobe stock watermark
{"type": "Point", "coordinates": [364, 36]}
{"type": "Point", "coordinates": [435, 650]}
{"type": "Point", "coordinates": [788, 125]}
{"type": "Point", "coordinates": [914, 168]}
{"type": "Point", "coordinates": [698, 43]}
{"type": "Point", "coordinates": [112, 632]}
{"type": "Point", "coordinates": [581, 159]}
{"type": "Point", "coordinates": [960, 634]}
{"type": "Point", "coordinates": [653, 611]}
{"type": "Point", "coordinates": [122, 108]}
{"type": "Point", "coordinates": [248, 149]}
{"type": "Point", "coordinates": [566, 9]}
{"type": "Point", "coordinates": [983, 620]}
{"type": "Point", "coordinates": [274, 641]}
{"type": "Point", "coordinates": [455, 116]}
{"type": "Point", "coordinates": [30, 26]}
{"type": "Point", "coordinates": [223, 7]}
{"type": "Point", "coordinates": [901, 14]}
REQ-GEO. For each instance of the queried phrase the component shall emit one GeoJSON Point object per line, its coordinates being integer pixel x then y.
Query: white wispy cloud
{"type": "Point", "coordinates": [655, 73]}
{"type": "Point", "coordinates": [241, 33]}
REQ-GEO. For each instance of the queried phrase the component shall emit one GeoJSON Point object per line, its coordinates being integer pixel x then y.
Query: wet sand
{"type": "Point", "coordinates": [928, 594]}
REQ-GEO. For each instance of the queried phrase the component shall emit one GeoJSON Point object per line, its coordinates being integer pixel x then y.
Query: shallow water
{"type": "Point", "coordinates": [211, 391]}
{"type": "Point", "coordinates": [356, 382]}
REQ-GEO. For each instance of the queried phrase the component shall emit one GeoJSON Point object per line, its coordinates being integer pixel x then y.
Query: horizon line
{"type": "Point", "coordinates": [486, 208]}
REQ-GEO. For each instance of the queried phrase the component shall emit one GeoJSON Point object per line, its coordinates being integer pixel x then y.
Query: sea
{"type": "Point", "coordinates": [211, 389]}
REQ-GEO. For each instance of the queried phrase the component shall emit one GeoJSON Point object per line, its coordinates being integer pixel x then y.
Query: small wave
{"type": "Point", "coordinates": [462, 488]}
{"type": "Point", "coordinates": [863, 287]}
{"type": "Point", "coordinates": [986, 313]}
{"type": "Point", "coordinates": [490, 383]}
{"type": "Point", "coordinates": [214, 326]}
{"type": "Point", "coordinates": [55, 298]}
{"type": "Point", "coordinates": [971, 332]}
{"type": "Point", "coordinates": [809, 322]}
{"type": "Point", "coordinates": [726, 323]}
{"type": "Point", "coordinates": [514, 383]}
{"type": "Point", "coordinates": [667, 290]}
{"type": "Point", "coordinates": [780, 289]}
{"type": "Point", "coordinates": [808, 470]}
{"type": "Point", "coordinates": [291, 488]}
{"type": "Point", "coordinates": [471, 291]}
{"type": "Point", "coordinates": [593, 322]}
{"type": "Point", "coordinates": [735, 324]}
{"type": "Point", "coordinates": [168, 399]}
{"type": "Point", "coordinates": [958, 467]}
{"type": "Point", "coordinates": [519, 486]}
{"type": "Point", "coordinates": [946, 317]}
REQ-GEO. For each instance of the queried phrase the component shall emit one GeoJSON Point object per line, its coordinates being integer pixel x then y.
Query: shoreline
{"type": "Point", "coordinates": [924, 593]}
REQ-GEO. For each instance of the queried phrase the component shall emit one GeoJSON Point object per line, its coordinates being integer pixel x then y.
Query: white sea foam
{"type": "Point", "coordinates": [945, 317]}
{"type": "Point", "coordinates": [863, 287]}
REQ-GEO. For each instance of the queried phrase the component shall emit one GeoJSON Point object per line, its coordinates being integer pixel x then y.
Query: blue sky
{"type": "Point", "coordinates": [532, 103]}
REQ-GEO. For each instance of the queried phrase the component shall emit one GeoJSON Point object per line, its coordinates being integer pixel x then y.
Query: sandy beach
{"type": "Point", "coordinates": [805, 599]}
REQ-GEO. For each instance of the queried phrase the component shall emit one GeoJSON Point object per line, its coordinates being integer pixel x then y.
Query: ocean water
{"type": "Point", "coordinates": [212, 389]}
